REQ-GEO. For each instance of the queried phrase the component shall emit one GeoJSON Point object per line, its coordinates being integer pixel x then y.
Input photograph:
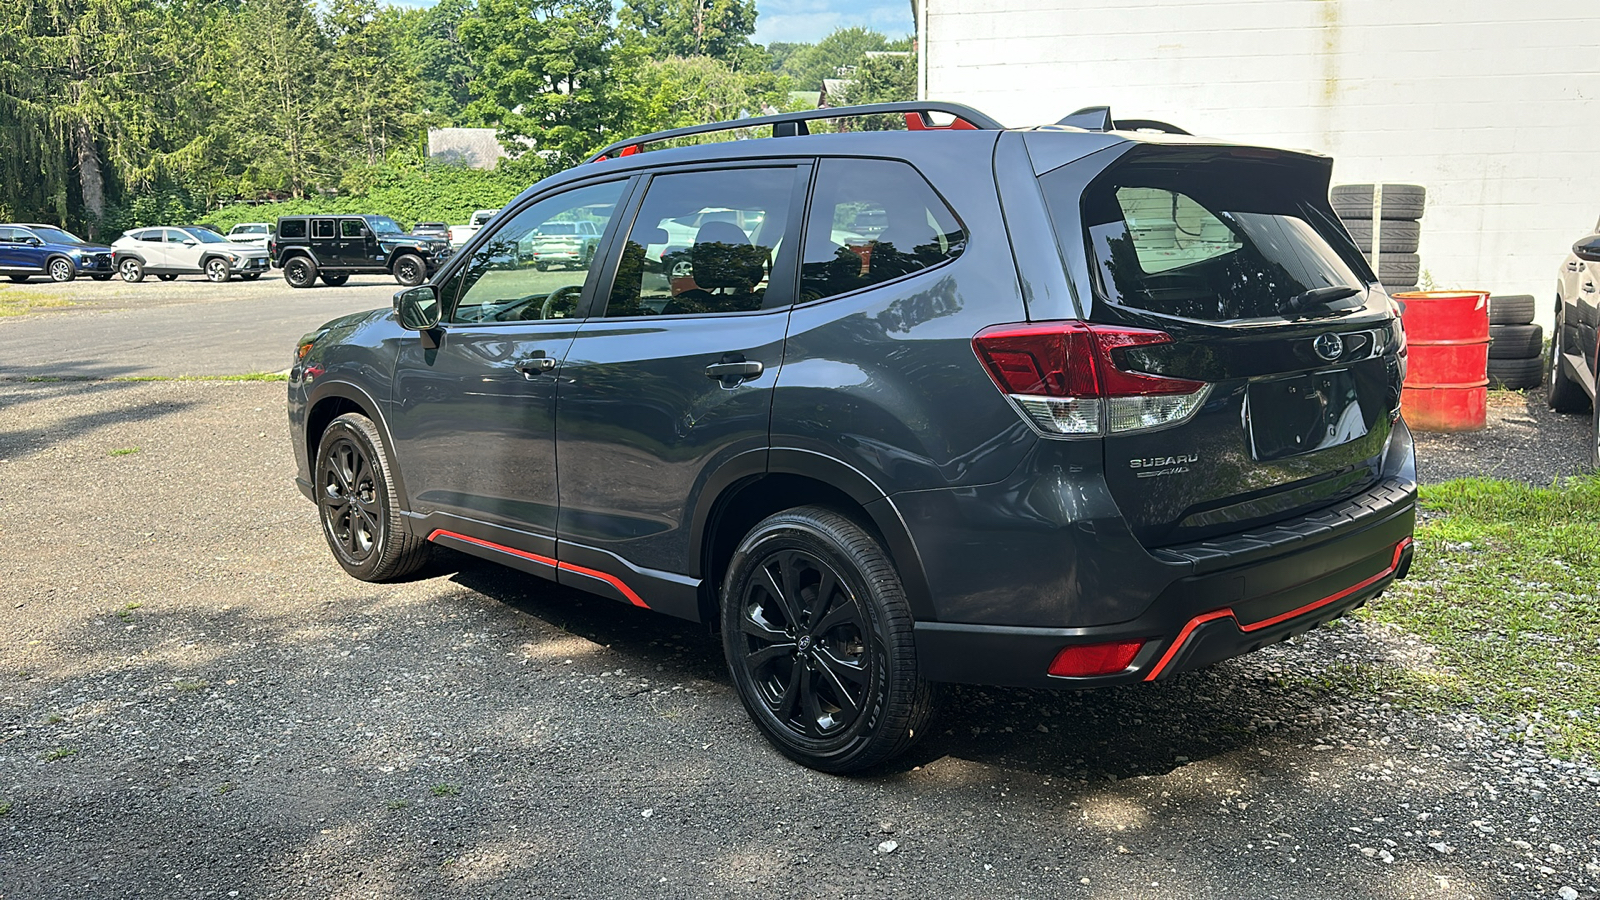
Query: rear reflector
{"type": "Point", "coordinates": [1065, 376]}
{"type": "Point", "coordinates": [1087, 660]}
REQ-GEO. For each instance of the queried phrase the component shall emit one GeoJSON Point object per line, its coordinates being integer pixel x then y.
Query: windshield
{"type": "Point", "coordinates": [384, 225]}
{"type": "Point", "coordinates": [206, 235]}
{"type": "Point", "coordinates": [55, 235]}
{"type": "Point", "coordinates": [249, 229]}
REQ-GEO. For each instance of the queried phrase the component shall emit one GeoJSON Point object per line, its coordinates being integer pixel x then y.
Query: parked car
{"type": "Point", "coordinates": [168, 252]}
{"type": "Point", "coordinates": [1572, 351]}
{"type": "Point", "coordinates": [431, 230]}
{"type": "Point", "coordinates": [569, 244]}
{"type": "Point", "coordinates": [460, 234]}
{"type": "Point", "coordinates": [1009, 439]}
{"type": "Point", "coordinates": [27, 250]}
{"type": "Point", "coordinates": [252, 233]}
{"type": "Point", "coordinates": [333, 248]}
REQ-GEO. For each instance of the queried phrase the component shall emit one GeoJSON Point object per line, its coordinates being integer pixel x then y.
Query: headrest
{"type": "Point", "coordinates": [723, 258]}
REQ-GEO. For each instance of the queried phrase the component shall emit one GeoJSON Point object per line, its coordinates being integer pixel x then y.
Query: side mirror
{"type": "Point", "coordinates": [33, 242]}
{"type": "Point", "coordinates": [1588, 249]}
{"type": "Point", "coordinates": [417, 308]}
{"type": "Point", "coordinates": [190, 242]}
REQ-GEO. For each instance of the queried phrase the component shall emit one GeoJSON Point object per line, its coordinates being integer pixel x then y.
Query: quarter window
{"type": "Point", "coordinates": [705, 242]}
{"type": "Point", "coordinates": [873, 221]}
{"type": "Point", "coordinates": [534, 265]}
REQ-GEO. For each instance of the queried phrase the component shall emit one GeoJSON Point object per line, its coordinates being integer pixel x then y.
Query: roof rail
{"type": "Point", "coordinates": [794, 123]}
{"type": "Point", "coordinates": [1098, 118]}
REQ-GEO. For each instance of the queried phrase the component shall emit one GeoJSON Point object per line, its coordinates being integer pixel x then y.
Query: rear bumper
{"type": "Point", "coordinates": [1199, 619]}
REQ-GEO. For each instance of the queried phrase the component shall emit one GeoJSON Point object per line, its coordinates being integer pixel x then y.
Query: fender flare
{"type": "Point", "coordinates": [343, 390]}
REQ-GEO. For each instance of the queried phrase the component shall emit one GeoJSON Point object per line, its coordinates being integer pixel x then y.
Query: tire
{"type": "Point", "coordinates": [798, 675]}
{"type": "Point", "coordinates": [19, 279]}
{"type": "Point", "coordinates": [1397, 268]}
{"type": "Point", "coordinates": [167, 277]}
{"type": "Point", "coordinates": [1516, 341]}
{"type": "Point", "coordinates": [332, 280]}
{"type": "Point", "coordinates": [250, 276]}
{"type": "Point", "coordinates": [409, 270]}
{"type": "Point", "coordinates": [1516, 373]}
{"type": "Point", "coordinates": [131, 270]}
{"type": "Point", "coordinates": [1563, 394]}
{"type": "Point", "coordinates": [1400, 201]}
{"type": "Point", "coordinates": [358, 505]}
{"type": "Point", "coordinates": [1393, 289]}
{"type": "Point", "coordinates": [300, 272]}
{"type": "Point", "coordinates": [101, 277]}
{"type": "Point", "coordinates": [1511, 309]}
{"type": "Point", "coordinates": [218, 270]}
{"type": "Point", "coordinates": [1397, 236]}
{"type": "Point", "coordinates": [61, 270]}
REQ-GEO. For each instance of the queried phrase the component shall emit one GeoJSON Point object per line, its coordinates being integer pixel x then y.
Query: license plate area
{"type": "Point", "coordinates": [1303, 414]}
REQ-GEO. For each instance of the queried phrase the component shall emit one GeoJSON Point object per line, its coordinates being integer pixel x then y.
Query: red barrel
{"type": "Point", "coordinates": [1447, 378]}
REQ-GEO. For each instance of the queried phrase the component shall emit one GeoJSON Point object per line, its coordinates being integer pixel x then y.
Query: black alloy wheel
{"type": "Point", "coordinates": [62, 270]}
{"type": "Point", "coordinates": [410, 270]}
{"type": "Point", "coordinates": [1563, 394]}
{"type": "Point", "coordinates": [218, 269]}
{"type": "Point", "coordinates": [300, 272]}
{"type": "Point", "coordinates": [818, 637]}
{"type": "Point", "coordinates": [131, 270]}
{"type": "Point", "coordinates": [359, 506]}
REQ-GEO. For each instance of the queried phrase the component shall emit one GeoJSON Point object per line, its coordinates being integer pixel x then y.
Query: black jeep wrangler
{"type": "Point", "coordinates": [336, 247]}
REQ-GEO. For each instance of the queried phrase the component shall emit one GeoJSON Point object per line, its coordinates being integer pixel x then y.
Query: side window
{"type": "Point", "coordinates": [704, 242]}
{"type": "Point", "coordinates": [8, 235]}
{"type": "Point", "coordinates": [352, 228]}
{"type": "Point", "coordinates": [174, 236]}
{"type": "Point", "coordinates": [534, 265]}
{"type": "Point", "coordinates": [293, 228]}
{"type": "Point", "coordinates": [872, 221]}
{"type": "Point", "coordinates": [321, 228]}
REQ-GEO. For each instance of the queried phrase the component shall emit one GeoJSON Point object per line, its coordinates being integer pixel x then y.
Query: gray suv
{"type": "Point", "coordinates": [1089, 404]}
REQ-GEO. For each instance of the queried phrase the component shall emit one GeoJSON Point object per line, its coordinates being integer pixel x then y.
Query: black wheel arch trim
{"type": "Point", "coordinates": [323, 391]}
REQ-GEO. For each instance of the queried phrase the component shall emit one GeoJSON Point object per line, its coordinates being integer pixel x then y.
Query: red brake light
{"type": "Point", "coordinates": [1086, 660]}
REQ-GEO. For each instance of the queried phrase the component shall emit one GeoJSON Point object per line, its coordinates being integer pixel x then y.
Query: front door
{"type": "Point", "coordinates": [674, 377]}
{"type": "Point", "coordinates": [180, 251]}
{"type": "Point", "coordinates": [474, 417]}
{"type": "Point", "coordinates": [354, 237]}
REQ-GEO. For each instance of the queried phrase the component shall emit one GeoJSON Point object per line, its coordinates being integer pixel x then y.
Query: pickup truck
{"type": "Point", "coordinates": [460, 234]}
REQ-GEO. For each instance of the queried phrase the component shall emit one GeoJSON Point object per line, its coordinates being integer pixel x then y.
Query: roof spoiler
{"type": "Point", "coordinates": [793, 124]}
{"type": "Point", "coordinates": [1098, 118]}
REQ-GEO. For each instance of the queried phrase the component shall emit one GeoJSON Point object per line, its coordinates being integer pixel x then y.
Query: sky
{"type": "Point", "coordinates": [809, 21]}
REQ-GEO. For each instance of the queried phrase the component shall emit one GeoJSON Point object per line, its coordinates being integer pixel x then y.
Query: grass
{"type": "Point", "coordinates": [5, 808]}
{"type": "Point", "coordinates": [446, 790]}
{"type": "Point", "coordinates": [191, 684]}
{"type": "Point", "coordinates": [124, 451]}
{"type": "Point", "coordinates": [126, 612]}
{"type": "Point", "coordinates": [1505, 586]}
{"type": "Point", "coordinates": [20, 302]}
{"type": "Point", "coordinates": [54, 719]}
{"type": "Point", "coordinates": [59, 753]}
{"type": "Point", "coordinates": [399, 804]}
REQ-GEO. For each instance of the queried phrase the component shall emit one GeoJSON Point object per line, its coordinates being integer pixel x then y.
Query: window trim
{"type": "Point", "coordinates": [811, 197]}
{"type": "Point", "coordinates": [784, 273]}
{"type": "Point", "coordinates": [458, 261]}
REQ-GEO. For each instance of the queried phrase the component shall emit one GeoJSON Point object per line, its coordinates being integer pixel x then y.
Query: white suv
{"type": "Point", "coordinates": [169, 252]}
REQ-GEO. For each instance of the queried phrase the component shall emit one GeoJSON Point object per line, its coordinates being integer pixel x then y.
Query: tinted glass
{"type": "Point", "coordinates": [1216, 239]}
{"type": "Point", "coordinates": [7, 234]}
{"type": "Point", "coordinates": [293, 228]}
{"type": "Point", "coordinates": [174, 236]}
{"type": "Point", "coordinates": [514, 278]}
{"type": "Point", "coordinates": [704, 242]}
{"type": "Point", "coordinates": [205, 235]}
{"type": "Point", "coordinates": [55, 235]}
{"type": "Point", "coordinates": [384, 225]}
{"type": "Point", "coordinates": [351, 228]}
{"type": "Point", "coordinates": [872, 221]}
{"type": "Point", "coordinates": [322, 228]}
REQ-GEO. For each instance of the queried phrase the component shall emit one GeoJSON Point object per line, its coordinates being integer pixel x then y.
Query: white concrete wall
{"type": "Point", "coordinates": [1493, 105]}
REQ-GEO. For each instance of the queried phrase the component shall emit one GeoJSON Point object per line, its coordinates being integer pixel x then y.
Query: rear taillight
{"type": "Point", "coordinates": [1065, 376]}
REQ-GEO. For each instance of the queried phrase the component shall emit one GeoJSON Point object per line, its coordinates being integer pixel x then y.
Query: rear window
{"type": "Point", "coordinates": [1212, 238]}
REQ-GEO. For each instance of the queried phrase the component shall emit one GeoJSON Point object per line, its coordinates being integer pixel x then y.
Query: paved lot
{"type": "Point", "coordinates": [184, 327]}
{"type": "Point", "coordinates": [196, 702]}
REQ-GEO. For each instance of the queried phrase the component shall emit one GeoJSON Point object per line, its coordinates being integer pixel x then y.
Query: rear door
{"type": "Point", "coordinates": [1222, 273]}
{"type": "Point", "coordinates": [672, 379]}
{"type": "Point", "coordinates": [324, 243]}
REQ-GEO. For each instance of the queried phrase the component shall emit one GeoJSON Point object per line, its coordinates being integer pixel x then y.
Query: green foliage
{"type": "Point", "coordinates": [882, 78]}
{"type": "Point", "coordinates": [407, 193]}
{"type": "Point", "coordinates": [832, 57]}
{"type": "Point", "coordinates": [719, 29]}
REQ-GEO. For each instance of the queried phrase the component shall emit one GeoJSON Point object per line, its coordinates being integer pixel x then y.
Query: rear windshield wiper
{"type": "Point", "coordinates": [1302, 304]}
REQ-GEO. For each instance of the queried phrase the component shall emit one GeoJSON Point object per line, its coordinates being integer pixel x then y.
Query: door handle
{"type": "Point", "coordinates": [534, 366]}
{"type": "Point", "coordinates": [734, 372]}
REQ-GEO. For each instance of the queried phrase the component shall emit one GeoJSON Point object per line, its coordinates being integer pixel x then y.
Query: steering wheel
{"type": "Point", "coordinates": [560, 294]}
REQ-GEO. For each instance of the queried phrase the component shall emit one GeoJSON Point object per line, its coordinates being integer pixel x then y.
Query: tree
{"type": "Point", "coordinates": [842, 50]}
{"type": "Point", "coordinates": [371, 84]}
{"type": "Point", "coordinates": [720, 29]}
{"type": "Point", "coordinates": [681, 91]}
{"type": "Point", "coordinates": [444, 70]}
{"type": "Point", "coordinates": [884, 78]}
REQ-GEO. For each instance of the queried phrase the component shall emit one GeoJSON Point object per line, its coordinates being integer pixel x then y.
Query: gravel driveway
{"type": "Point", "coordinates": [196, 702]}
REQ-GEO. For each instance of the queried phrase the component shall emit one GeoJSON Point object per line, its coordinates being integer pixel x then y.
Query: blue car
{"type": "Point", "coordinates": [29, 250]}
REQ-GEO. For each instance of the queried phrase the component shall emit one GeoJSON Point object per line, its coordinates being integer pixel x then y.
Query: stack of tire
{"type": "Point", "coordinates": [1398, 265]}
{"type": "Point", "coordinates": [1516, 345]}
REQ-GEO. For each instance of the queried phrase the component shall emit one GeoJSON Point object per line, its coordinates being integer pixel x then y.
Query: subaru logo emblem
{"type": "Point", "coordinates": [1328, 346]}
